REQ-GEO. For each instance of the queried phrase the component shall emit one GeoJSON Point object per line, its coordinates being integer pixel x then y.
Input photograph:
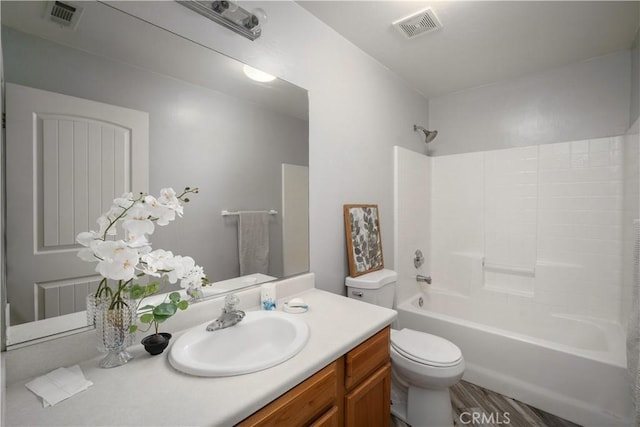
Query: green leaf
{"type": "Point", "coordinates": [174, 296]}
{"type": "Point", "coordinates": [137, 291]}
{"type": "Point", "coordinates": [152, 288]}
{"type": "Point", "coordinates": [147, 307]}
{"type": "Point", "coordinates": [183, 305]}
{"type": "Point", "coordinates": [165, 309]}
{"type": "Point", "coordinates": [146, 318]}
{"type": "Point", "coordinates": [133, 329]}
{"type": "Point", "coordinates": [160, 319]}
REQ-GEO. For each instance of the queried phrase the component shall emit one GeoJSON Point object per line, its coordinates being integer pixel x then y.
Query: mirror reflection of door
{"type": "Point", "coordinates": [69, 157]}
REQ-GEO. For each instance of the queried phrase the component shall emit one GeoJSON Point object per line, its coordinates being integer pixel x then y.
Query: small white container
{"type": "Point", "coordinates": [295, 305]}
{"type": "Point", "coordinates": [268, 296]}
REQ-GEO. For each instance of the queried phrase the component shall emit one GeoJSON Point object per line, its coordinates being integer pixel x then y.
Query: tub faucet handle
{"type": "Point", "coordinates": [418, 258]}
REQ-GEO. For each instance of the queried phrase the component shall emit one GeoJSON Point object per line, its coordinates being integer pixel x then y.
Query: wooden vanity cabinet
{"type": "Point", "coordinates": [368, 383]}
{"type": "Point", "coordinates": [353, 391]}
{"type": "Point", "coordinates": [307, 402]}
{"type": "Point", "coordinates": [331, 418]}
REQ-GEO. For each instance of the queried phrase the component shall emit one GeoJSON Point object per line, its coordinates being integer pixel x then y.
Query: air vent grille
{"type": "Point", "coordinates": [63, 12]}
{"type": "Point", "coordinates": [66, 14]}
{"type": "Point", "coordinates": [418, 23]}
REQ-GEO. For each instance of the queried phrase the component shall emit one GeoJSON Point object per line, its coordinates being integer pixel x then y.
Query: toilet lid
{"type": "Point", "coordinates": [425, 348]}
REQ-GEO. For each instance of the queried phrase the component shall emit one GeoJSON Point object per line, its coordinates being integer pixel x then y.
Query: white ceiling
{"type": "Point", "coordinates": [481, 41]}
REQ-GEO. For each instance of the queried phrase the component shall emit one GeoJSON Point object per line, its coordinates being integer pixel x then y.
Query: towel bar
{"type": "Point", "coordinates": [229, 213]}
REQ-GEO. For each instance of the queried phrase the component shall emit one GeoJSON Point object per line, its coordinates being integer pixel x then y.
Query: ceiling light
{"type": "Point", "coordinates": [257, 75]}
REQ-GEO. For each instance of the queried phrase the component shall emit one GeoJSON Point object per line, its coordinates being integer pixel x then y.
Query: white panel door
{"type": "Point", "coordinates": [67, 158]}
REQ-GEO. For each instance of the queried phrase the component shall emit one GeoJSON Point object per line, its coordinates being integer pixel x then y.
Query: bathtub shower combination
{"type": "Point", "coordinates": [570, 366]}
{"type": "Point", "coordinates": [531, 255]}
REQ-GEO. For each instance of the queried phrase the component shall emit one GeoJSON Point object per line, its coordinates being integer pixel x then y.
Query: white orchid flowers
{"type": "Point", "coordinates": [124, 256]}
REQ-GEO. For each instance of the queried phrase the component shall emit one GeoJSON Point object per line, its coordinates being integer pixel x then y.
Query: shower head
{"type": "Point", "coordinates": [429, 135]}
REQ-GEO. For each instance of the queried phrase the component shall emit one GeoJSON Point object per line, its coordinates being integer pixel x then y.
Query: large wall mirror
{"type": "Point", "coordinates": [79, 100]}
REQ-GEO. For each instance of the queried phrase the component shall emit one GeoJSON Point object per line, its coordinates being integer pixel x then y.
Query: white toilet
{"type": "Point", "coordinates": [423, 366]}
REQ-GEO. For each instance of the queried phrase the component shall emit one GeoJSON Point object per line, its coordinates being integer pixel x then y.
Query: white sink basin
{"type": "Point", "coordinates": [261, 340]}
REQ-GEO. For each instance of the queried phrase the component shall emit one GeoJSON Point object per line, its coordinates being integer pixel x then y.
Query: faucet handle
{"type": "Point", "coordinates": [231, 301]}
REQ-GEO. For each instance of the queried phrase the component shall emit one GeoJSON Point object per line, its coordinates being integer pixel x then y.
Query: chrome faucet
{"type": "Point", "coordinates": [230, 314]}
{"type": "Point", "coordinates": [425, 279]}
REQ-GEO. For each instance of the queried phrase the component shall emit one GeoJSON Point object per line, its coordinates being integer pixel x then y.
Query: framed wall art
{"type": "Point", "coordinates": [364, 242]}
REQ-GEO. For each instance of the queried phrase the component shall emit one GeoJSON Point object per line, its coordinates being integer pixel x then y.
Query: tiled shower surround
{"type": "Point", "coordinates": [535, 229]}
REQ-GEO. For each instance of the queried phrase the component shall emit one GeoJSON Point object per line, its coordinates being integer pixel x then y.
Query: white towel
{"type": "Point", "coordinates": [59, 385]}
{"type": "Point", "coordinates": [253, 242]}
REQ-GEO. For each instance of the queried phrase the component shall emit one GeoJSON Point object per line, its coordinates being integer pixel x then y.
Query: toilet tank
{"type": "Point", "coordinates": [377, 287]}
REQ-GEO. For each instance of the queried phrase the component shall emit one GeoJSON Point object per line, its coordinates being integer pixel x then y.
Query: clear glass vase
{"type": "Point", "coordinates": [93, 303]}
{"type": "Point", "coordinates": [112, 329]}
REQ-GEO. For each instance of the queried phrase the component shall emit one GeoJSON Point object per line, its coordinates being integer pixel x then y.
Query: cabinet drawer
{"type": "Point", "coordinates": [301, 404]}
{"type": "Point", "coordinates": [328, 419]}
{"type": "Point", "coordinates": [362, 361]}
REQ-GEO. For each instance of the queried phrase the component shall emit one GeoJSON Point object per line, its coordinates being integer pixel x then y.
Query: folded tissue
{"type": "Point", "coordinates": [59, 385]}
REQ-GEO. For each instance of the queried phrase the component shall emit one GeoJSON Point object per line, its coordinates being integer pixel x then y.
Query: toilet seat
{"type": "Point", "coordinates": [425, 349]}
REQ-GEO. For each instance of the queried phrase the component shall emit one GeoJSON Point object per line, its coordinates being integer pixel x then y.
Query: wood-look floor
{"type": "Point", "coordinates": [467, 397]}
{"type": "Point", "coordinates": [474, 406]}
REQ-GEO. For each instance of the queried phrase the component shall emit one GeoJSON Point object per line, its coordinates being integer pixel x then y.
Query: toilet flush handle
{"type": "Point", "coordinates": [357, 294]}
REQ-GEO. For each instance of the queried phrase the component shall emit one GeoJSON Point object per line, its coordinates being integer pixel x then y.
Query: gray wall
{"type": "Point", "coordinates": [588, 99]}
{"type": "Point", "coordinates": [634, 110]}
{"type": "Point", "coordinates": [230, 148]}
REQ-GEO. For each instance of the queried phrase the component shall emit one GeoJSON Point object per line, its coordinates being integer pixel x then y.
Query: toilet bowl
{"type": "Point", "coordinates": [423, 365]}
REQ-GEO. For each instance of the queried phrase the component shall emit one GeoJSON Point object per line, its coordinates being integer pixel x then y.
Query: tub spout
{"type": "Point", "coordinates": [425, 279]}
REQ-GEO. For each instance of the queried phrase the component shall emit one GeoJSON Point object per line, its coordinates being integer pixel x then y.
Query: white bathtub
{"type": "Point", "coordinates": [569, 366]}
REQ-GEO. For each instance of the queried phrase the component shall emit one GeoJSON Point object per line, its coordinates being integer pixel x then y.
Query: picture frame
{"type": "Point", "coordinates": [364, 240]}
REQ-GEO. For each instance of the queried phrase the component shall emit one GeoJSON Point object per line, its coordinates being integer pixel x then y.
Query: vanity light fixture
{"type": "Point", "coordinates": [257, 75]}
{"type": "Point", "coordinates": [230, 15]}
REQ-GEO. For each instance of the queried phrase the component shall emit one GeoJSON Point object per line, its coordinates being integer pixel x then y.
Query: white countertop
{"type": "Point", "coordinates": [148, 391]}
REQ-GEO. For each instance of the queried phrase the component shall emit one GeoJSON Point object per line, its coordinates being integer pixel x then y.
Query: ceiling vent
{"type": "Point", "coordinates": [64, 13]}
{"type": "Point", "coordinates": [418, 23]}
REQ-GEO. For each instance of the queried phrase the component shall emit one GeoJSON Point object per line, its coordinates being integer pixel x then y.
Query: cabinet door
{"type": "Point", "coordinates": [369, 404]}
{"type": "Point", "coordinates": [302, 404]}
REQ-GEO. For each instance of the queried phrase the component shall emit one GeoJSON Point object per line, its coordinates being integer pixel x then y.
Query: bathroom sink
{"type": "Point", "coordinates": [261, 340]}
